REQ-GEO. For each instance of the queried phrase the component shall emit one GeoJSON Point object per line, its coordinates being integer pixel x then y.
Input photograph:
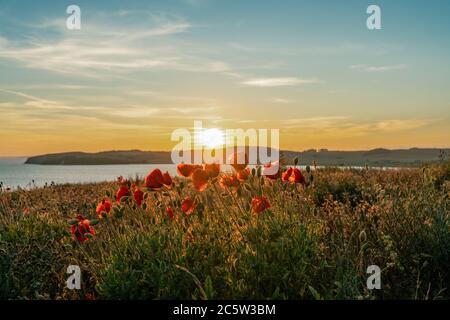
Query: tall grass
{"type": "Point", "coordinates": [313, 243]}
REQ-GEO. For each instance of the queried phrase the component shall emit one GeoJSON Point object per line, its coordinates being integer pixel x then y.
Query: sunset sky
{"type": "Point", "coordinates": [137, 70]}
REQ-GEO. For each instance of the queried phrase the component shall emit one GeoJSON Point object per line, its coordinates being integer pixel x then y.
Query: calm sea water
{"type": "Point", "coordinates": [14, 173]}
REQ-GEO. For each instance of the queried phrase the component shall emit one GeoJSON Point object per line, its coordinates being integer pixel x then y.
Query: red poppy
{"type": "Point", "coordinates": [242, 175]}
{"type": "Point", "coordinates": [138, 196]}
{"type": "Point", "coordinates": [26, 211]}
{"type": "Point", "coordinates": [167, 179]}
{"type": "Point", "coordinates": [172, 216]}
{"type": "Point", "coordinates": [122, 192]}
{"type": "Point", "coordinates": [293, 175]}
{"type": "Point", "coordinates": [259, 204]}
{"type": "Point", "coordinates": [103, 206]}
{"type": "Point", "coordinates": [237, 162]}
{"type": "Point", "coordinates": [154, 180]}
{"type": "Point", "coordinates": [200, 179]}
{"type": "Point", "coordinates": [186, 170]}
{"type": "Point", "coordinates": [188, 206]}
{"type": "Point", "coordinates": [272, 170]}
{"type": "Point", "coordinates": [212, 169]}
{"type": "Point", "coordinates": [82, 231]}
{"type": "Point", "coordinates": [228, 181]}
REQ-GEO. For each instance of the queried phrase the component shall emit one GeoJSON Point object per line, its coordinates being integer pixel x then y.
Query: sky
{"type": "Point", "coordinates": [138, 70]}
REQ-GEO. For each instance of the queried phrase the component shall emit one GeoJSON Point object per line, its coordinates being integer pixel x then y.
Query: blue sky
{"type": "Point", "coordinates": [137, 70]}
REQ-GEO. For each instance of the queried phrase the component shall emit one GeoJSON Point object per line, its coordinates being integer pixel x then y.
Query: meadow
{"type": "Point", "coordinates": [211, 235]}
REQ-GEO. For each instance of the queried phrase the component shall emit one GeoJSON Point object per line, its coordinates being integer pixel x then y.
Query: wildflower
{"type": "Point", "coordinates": [242, 175]}
{"type": "Point", "coordinates": [167, 179]}
{"type": "Point", "coordinates": [82, 231]}
{"type": "Point", "coordinates": [138, 196]}
{"type": "Point", "coordinates": [103, 206]}
{"type": "Point", "coordinates": [154, 180]}
{"type": "Point", "coordinates": [293, 175]}
{"type": "Point", "coordinates": [122, 192]}
{"type": "Point", "coordinates": [186, 170]}
{"type": "Point", "coordinates": [272, 170]}
{"type": "Point", "coordinates": [26, 211]}
{"type": "Point", "coordinates": [236, 161]}
{"type": "Point", "coordinates": [200, 179]}
{"type": "Point", "coordinates": [212, 169]}
{"type": "Point", "coordinates": [228, 181]}
{"type": "Point", "coordinates": [172, 216]}
{"type": "Point", "coordinates": [259, 204]}
{"type": "Point", "coordinates": [188, 206]}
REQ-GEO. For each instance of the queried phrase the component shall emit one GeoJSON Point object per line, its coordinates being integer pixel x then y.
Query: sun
{"type": "Point", "coordinates": [212, 138]}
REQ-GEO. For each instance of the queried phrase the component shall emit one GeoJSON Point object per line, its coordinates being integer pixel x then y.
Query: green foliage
{"type": "Point", "coordinates": [315, 242]}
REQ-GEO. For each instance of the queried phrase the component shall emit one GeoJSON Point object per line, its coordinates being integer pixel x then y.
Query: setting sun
{"type": "Point", "coordinates": [211, 138]}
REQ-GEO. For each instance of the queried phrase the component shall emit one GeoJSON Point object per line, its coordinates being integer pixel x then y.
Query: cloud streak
{"type": "Point", "coordinates": [277, 82]}
{"type": "Point", "coordinates": [367, 68]}
{"type": "Point", "coordinates": [103, 50]}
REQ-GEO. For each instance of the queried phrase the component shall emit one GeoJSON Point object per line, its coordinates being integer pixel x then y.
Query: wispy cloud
{"type": "Point", "coordinates": [282, 100]}
{"type": "Point", "coordinates": [278, 82]}
{"type": "Point", "coordinates": [348, 127]}
{"type": "Point", "coordinates": [105, 49]}
{"type": "Point", "coordinates": [367, 68]}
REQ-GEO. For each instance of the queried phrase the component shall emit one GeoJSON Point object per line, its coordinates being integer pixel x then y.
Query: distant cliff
{"type": "Point", "coordinates": [99, 158]}
{"type": "Point", "coordinates": [376, 157]}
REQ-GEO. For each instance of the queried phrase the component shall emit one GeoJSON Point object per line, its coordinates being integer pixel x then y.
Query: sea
{"type": "Point", "coordinates": [14, 173]}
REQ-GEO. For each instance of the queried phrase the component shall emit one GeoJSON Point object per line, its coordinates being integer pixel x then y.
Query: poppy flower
{"type": "Point", "coordinates": [154, 180]}
{"type": "Point", "coordinates": [272, 170]}
{"type": "Point", "coordinates": [237, 162]}
{"type": "Point", "coordinates": [138, 196]}
{"type": "Point", "coordinates": [82, 231]}
{"type": "Point", "coordinates": [242, 175]}
{"type": "Point", "coordinates": [122, 192]}
{"type": "Point", "coordinates": [259, 204]}
{"type": "Point", "coordinates": [228, 181]}
{"type": "Point", "coordinates": [200, 179]}
{"type": "Point", "coordinates": [167, 179]}
{"type": "Point", "coordinates": [212, 169]}
{"type": "Point", "coordinates": [186, 170]}
{"type": "Point", "coordinates": [293, 175]}
{"type": "Point", "coordinates": [172, 216]}
{"type": "Point", "coordinates": [103, 206]}
{"type": "Point", "coordinates": [26, 211]}
{"type": "Point", "coordinates": [188, 206]}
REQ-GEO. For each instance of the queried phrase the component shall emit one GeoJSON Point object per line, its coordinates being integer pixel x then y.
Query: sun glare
{"type": "Point", "coordinates": [212, 138]}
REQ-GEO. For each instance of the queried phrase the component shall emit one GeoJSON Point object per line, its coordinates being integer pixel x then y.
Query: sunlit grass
{"type": "Point", "coordinates": [315, 241]}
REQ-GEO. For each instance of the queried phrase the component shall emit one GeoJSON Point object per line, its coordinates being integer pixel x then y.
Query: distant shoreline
{"type": "Point", "coordinates": [413, 157]}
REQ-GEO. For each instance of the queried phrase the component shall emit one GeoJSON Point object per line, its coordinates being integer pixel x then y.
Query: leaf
{"type": "Point", "coordinates": [73, 222]}
{"type": "Point", "coordinates": [315, 294]}
{"type": "Point", "coordinates": [94, 222]}
{"type": "Point", "coordinates": [209, 290]}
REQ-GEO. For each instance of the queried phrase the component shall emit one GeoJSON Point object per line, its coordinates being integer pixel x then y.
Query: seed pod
{"type": "Point", "coordinates": [362, 236]}
{"type": "Point", "coordinates": [295, 161]}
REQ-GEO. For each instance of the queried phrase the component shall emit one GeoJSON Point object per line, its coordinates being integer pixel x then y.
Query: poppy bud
{"type": "Point", "coordinates": [94, 222]}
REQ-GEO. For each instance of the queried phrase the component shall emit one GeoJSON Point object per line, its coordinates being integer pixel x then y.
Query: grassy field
{"type": "Point", "coordinates": [315, 241]}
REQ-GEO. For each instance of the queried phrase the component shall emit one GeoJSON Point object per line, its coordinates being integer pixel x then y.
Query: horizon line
{"type": "Point", "coordinates": [282, 150]}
